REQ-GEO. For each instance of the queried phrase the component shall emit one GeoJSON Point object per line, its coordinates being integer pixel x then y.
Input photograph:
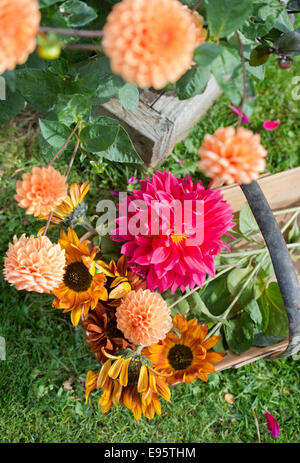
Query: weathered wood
{"type": "Point", "coordinates": [161, 119]}
{"type": "Point", "coordinates": [282, 190]}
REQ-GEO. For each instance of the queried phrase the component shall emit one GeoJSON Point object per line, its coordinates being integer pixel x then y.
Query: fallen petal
{"type": "Point", "coordinates": [272, 424]}
{"type": "Point", "coordinates": [271, 125]}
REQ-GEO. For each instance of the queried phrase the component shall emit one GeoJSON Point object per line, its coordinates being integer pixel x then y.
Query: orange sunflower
{"type": "Point", "coordinates": [120, 279]}
{"type": "Point", "coordinates": [102, 331]}
{"type": "Point", "coordinates": [72, 209]}
{"type": "Point", "coordinates": [81, 287]}
{"type": "Point", "coordinates": [129, 380]}
{"type": "Point", "coordinates": [184, 358]}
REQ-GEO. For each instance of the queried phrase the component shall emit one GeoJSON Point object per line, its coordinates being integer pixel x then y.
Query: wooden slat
{"type": "Point", "coordinates": [255, 353]}
{"type": "Point", "coordinates": [282, 190]}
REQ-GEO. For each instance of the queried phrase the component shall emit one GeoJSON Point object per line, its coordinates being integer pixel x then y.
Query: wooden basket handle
{"type": "Point", "coordinates": [282, 262]}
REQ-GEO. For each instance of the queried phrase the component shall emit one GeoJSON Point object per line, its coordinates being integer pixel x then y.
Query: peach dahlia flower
{"type": "Point", "coordinates": [143, 317]}
{"type": "Point", "coordinates": [41, 191]}
{"type": "Point", "coordinates": [151, 43]}
{"type": "Point", "coordinates": [19, 24]}
{"type": "Point", "coordinates": [34, 264]}
{"type": "Point", "coordinates": [232, 156]}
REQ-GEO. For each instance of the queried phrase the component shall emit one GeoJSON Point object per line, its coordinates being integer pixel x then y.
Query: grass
{"type": "Point", "coordinates": [44, 350]}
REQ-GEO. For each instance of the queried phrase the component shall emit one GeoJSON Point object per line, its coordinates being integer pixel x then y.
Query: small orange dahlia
{"type": "Point", "coordinates": [232, 156]}
{"type": "Point", "coordinates": [19, 24]}
{"type": "Point", "coordinates": [184, 358]}
{"type": "Point", "coordinates": [81, 286]}
{"type": "Point", "coordinates": [150, 43]}
{"type": "Point", "coordinates": [143, 317]}
{"type": "Point", "coordinates": [34, 264]}
{"type": "Point", "coordinates": [41, 191]}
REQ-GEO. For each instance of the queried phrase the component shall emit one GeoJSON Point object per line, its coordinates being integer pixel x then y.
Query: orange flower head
{"type": "Point", "coordinates": [41, 191]}
{"type": "Point", "coordinates": [201, 31]}
{"type": "Point", "coordinates": [232, 156]}
{"type": "Point", "coordinates": [19, 23]}
{"type": "Point", "coordinates": [150, 43]}
{"type": "Point", "coordinates": [129, 379]}
{"type": "Point", "coordinates": [81, 287]}
{"type": "Point", "coordinates": [34, 264]}
{"type": "Point", "coordinates": [143, 317]}
{"type": "Point", "coordinates": [184, 358]}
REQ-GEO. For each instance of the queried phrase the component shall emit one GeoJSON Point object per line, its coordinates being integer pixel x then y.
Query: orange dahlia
{"type": "Point", "coordinates": [34, 264]}
{"type": "Point", "coordinates": [150, 43]}
{"type": "Point", "coordinates": [81, 286]}
{"type": "Point", "coordinates": [102, 332]}
{"type": "Point", "coordinates": [232, 156]}
{"type": "Point", "coordinates": [41, 191]}
{"type": "Point", "coordinates": [19, 24]}
{"type": "Point", "coordinates": [201, 31]}
{"type": "Point", "coordinates": [129, 380]}
{"type": "Point", "coordinates": [184, 358]}
{"type": "Point", "coordinates": [72, 209]}
{"type": "Point", "coordinates": [143, 317]}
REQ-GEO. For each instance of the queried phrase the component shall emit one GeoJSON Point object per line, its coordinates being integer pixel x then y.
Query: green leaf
{"type": "Point", "coordinates": [278, 321]}
{"type": "Point", "coordinates": [266, 267]}
{"type": "Point", "coordinates": [182, 307]}
{"type": "Point", "coordinates": [11, 106]}
{"type": "Point", "coordinates": [97, 79]}
{"type": "Point", "coordinates": [226, 16]}
{"type": "Point", "coordinates": [237, 278]}
{"type": "Point", "coordinates": [72, 109]}
{"type": "Point", "coordinates": [283, 22]}
{"type": "Point", "coordinates": [294, 233]}
{"type": "Point", "coordinates": [239, 334]}
{"type": "Point", "coordinates": [55, 133]}
{"type": "Point", "coordinates": [77, 13]}
{"type": "Point", "coordinates": [40, 88]}
{"type": "Point", "coordinates": [228, 73]}
{"type": "Point", "coordinates": [195, 80]}
{"type": "Point", "coordinates": [264, 340]}
{"type": "Point", "coordinates": [45, 3]}
{"type": "Point", "coordinates": [247, 222]}
{"type": "Point", "coordinates": [254, 311]}
{"type": "Point", "coordinates": [129, 96]}
{"type": "Point", "coordinates": [105, 137]}
{"type": "Point", "coordinates": [289, 41]}
{"type": "Point", "coordinates": [198, 307]}
{"type": "Point", "coordinates": [216, 296]}
{"type": "Point", "coordinates": [263, 18]}
{"type": "Point", "coordinates": [259, 55]}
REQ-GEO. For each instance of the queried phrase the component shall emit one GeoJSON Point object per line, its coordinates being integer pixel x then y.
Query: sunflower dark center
{"type": "Point", "coordinates": [180, 357]}
{"type": "Point", "coordinates": [134, 369]}
{"type": "Point", "coordinates": [112, 331]}
{"type": "Point", "coordinates": [77, 277]}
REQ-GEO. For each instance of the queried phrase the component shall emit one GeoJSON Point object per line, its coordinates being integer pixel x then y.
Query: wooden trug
{"type": "Point", "coordinates": [282, 191]}
{"type": "Point", "coordinates": [161, 120]}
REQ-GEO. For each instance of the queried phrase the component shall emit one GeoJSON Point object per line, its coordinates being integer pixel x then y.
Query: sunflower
{"type": "Point", "coordinates": [129, 380]}
{"type": "Point", "coordinates": [120, 279]}
{"type": "Point", "coordinates": [184, 358]}
{"type": "Point", "coordinates": [81, 287]}
{"type": "Point", "coordinates": [102, 331]}
{"type": "Point", "coordinates": [72, 209]}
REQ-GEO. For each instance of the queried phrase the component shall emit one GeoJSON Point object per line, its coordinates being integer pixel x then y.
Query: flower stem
{"type": "Point", "coordinates": [63, 146]}
{"type": "Point", "coordinates": [197, 4]}
{"type": "Point", "coordinates": [75, 32]}
{"type": "Point", "coordinates": [244, 79]}
{"type": "Point", "coordinates": [84, 46]}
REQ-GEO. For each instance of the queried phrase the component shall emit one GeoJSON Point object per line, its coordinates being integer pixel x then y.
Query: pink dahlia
{"type": "Point", "coordinates": [168, 248]}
